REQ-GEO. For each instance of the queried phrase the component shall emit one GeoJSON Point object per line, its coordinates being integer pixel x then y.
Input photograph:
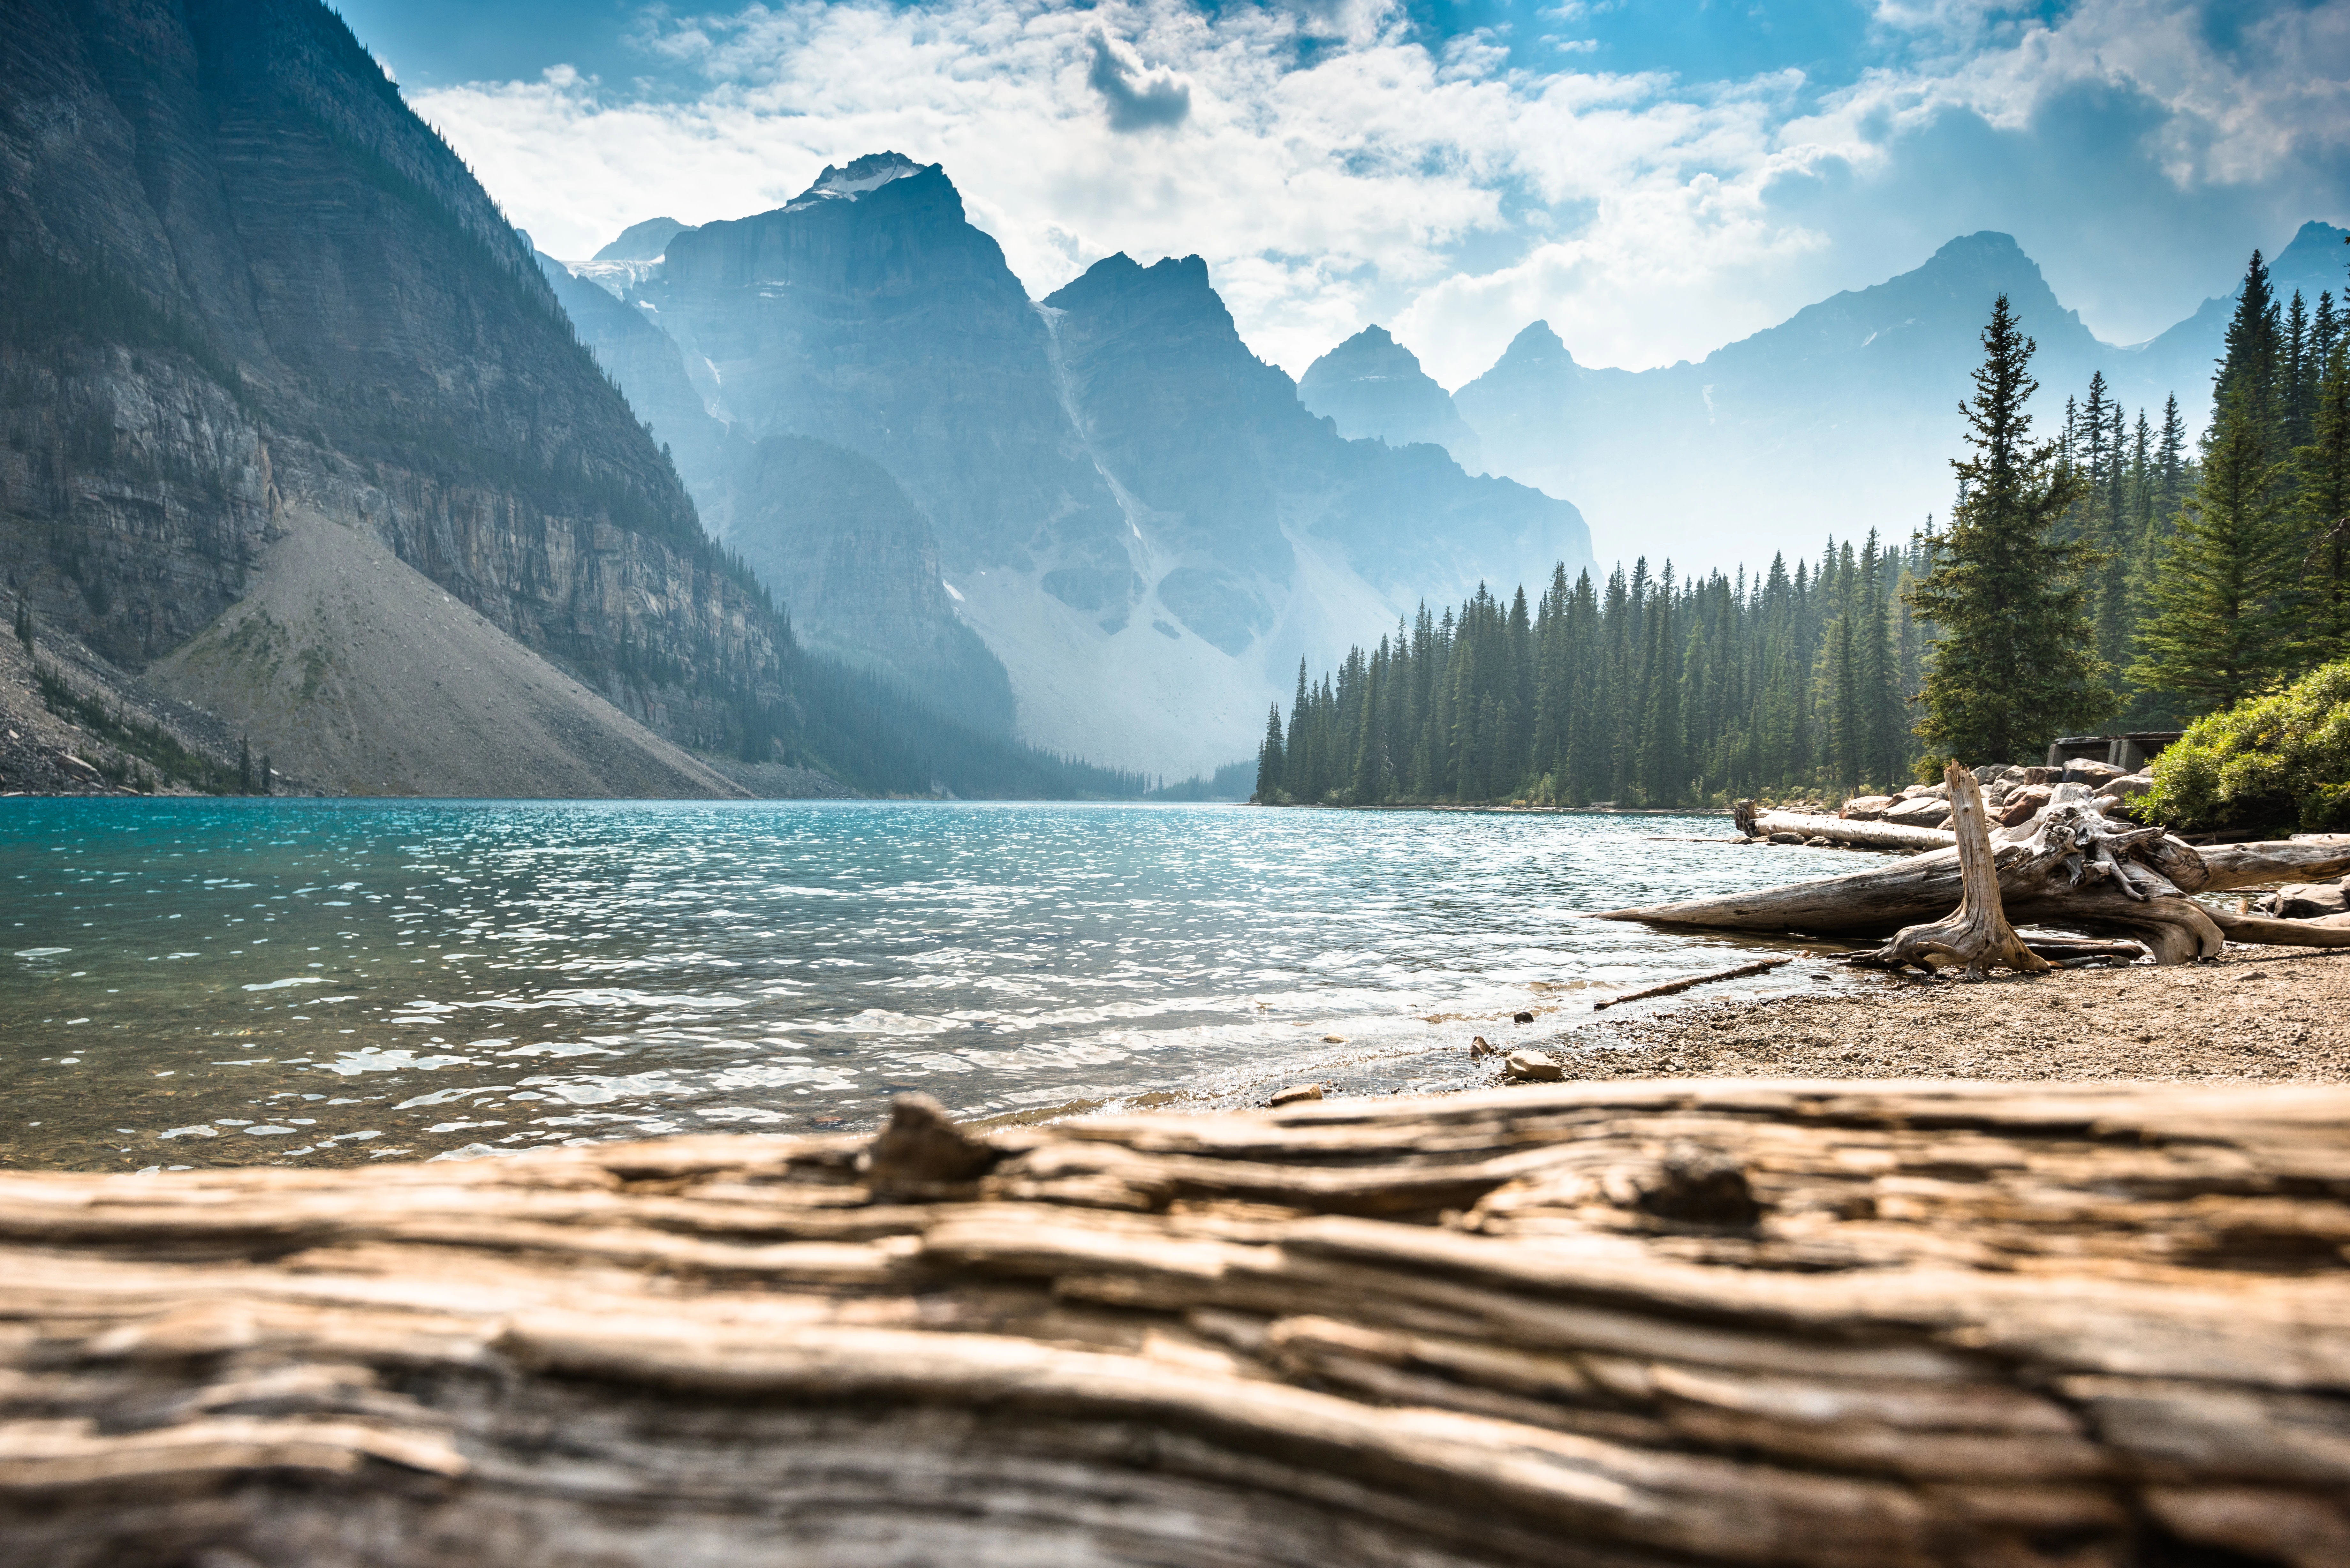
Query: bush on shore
{"type": "Point", "coordinates": [2278, 762]}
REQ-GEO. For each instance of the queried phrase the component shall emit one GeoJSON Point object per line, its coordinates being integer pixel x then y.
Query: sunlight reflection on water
{"type": "Point", "coordinates": [189, 983]}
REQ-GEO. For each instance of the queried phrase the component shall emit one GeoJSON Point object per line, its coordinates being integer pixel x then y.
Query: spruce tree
{"type": "Point", "coordinates": [2219, 621]}
{"type": "Point", "coordinates": [2170, 464]}
{"type": "Point", "coordinates": [1268, 758]}
{"type": "Point", "coordinates": [2249, 366]}
{"type": "Point", "coordinates": [2012, 663]}
{"type": "Point", "coordinates": [2324, 515]}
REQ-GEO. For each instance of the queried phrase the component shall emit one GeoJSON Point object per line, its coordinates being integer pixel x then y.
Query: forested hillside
{"type": "Point", "coordinates": [2203, 577]}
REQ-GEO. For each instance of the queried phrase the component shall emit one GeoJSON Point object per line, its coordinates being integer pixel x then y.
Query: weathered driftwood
{"type": "Point", "coordinates": [1674, 987]}
{"type": "Point", "coordinates": [1974, 938]}
{"type": "Point", "coordinates": [1609, 1323]}
{"type": "Point", "coordinates": [1845, 832]}
{"type": "Point", "coordinates": [2116, 864]}
{"type": "Point", "coordinates": [2284, 933]}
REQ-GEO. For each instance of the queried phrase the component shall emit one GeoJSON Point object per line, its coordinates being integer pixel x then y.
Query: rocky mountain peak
{"type": "Point", "coordinates": [864, 175]}
{"type": "Point", "coordinates": [1372, 387]}
{"type": "Point", "coordinates": [1536, 346]}
{"type": "Point", "coordinates": [642, 241]}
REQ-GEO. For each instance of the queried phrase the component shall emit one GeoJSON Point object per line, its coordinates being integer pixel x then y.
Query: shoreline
{"type": "Point", "coordinates": [2267, 1014]}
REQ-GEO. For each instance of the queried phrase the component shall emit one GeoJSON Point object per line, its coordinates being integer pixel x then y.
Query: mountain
{"type": "Point", "coordinates": [1841, 418]}
{"type": "Point", "coordinates": [249, 296]}
{"type": "Point", "coordinates": [829, 532]}
{"type": "Point", "coordinates": [299, 447]}
{"type": "Point", "coordinates": [1372, 385]}
{"type": "Point", "coordinates": [642, 241]}
{"type": "Point", "coordinates": [1136, 516]}
{"type": "Point", "coordinates": [2186, 355]}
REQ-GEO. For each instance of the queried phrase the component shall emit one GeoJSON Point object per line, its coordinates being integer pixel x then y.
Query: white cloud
{"type": "Point", "coordinates": [1335, 167]}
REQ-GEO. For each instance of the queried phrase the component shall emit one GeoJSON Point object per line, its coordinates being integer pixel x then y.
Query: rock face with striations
{"type": "Point", "coordinates": [1138, 516]}
{"type": "Point", "coordinates": [244, 286]}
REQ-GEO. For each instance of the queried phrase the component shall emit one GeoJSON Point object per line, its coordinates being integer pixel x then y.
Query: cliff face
{"type": "Point", "coordinates": [243, 281]}
{"type": "Point", "coordinates": [868, 314]}
{"type": "Point", "coordinates": [1136, 515]}
{"type": "Point", "coordinates": [829, 533]}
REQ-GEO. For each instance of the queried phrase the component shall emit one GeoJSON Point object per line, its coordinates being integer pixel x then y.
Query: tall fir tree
{"type": "Point", "coordinates": [2221, 613]}
{"type": "Point", "coordinates": [2324, 515]}
{"type": "Point", "coordinates": [1268, 758]}
{"type": "Point", "coordinates": [2013, 662]}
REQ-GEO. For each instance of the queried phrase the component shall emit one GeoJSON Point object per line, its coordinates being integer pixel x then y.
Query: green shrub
{"type": "Point", "coordinates": [2278, 762]}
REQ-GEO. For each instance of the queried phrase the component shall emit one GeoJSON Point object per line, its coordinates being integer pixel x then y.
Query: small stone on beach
{"type": "Point", "coordinates": [1531, 1067]}
{"type": "Point", "coordinates": [1297, 1093]}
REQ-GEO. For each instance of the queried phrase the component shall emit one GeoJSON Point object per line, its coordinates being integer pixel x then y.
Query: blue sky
{"type": "Point", "coordinates": [1653, 179]}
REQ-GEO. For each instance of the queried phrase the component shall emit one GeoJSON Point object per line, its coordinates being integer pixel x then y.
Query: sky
{"type": "Point", "coordinates": [1652, 178]}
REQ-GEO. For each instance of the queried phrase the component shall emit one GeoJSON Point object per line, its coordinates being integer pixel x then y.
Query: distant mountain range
{"type": "Point", "coordinates": [301, 453]}
{"type": "Point", "coordinates": [1841, 418]}
{"type": "Point", "coordinates": [1142, 523]}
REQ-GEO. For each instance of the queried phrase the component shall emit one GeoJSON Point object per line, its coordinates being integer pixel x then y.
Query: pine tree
{"type": "Point", "coordinates": [2218, 628]}
{"type": "Point", "coordinates": [2298, 375]}
{"type": "Point", "coordinates": [2012, 663]}
{"type": "Point", "coordinates": [243, 766]}
{"type": "Point", "coordinates": [1269, 758]}
{"type": "Point", "coordinates": [2249, 368]}
{"type": "Point", "coordinates": [2325, 515]}
{"type": "Point", "coordinates": [1879, 673]}
{"type": "Point", "coordinates": [2170, 464]}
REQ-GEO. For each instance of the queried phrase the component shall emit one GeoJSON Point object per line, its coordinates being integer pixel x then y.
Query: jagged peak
{"type": "Point", "coordinates": [1535, 344]}
{"type": "Point", "coordinates": [1372, 353]}
{"type": "Point", "coordinates": [643, 241]}
{"type": "Point", "coordinates": [1120, 273]}
{"type": "Point", "coordinates": [860, 176]}
{"type": "Point", "coordinates": [1981, 244]}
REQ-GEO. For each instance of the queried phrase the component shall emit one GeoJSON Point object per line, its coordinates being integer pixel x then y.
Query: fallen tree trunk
{"type": "Point", "coordinates": [1974, 938]}
{"type": "Point", "coordinates": [2036, 886]}
{"type": "Point", "coordinates": [1627, 1323]}
{"type": "Point", "coordinates": [1847, 834]}
{"type": "Point", "coordinates": [2280, 933]}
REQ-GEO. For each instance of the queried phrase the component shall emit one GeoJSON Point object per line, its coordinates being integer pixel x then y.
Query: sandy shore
{"type": "Point", "coordinates": [2262, 1015]}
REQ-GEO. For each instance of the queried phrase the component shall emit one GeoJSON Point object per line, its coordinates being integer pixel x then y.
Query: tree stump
{"type": "Point", "coordinates": [1801, 1324]}
{"type": "Point", "coordinates": [1975, 936]}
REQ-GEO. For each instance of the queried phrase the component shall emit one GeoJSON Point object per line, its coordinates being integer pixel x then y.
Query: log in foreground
{"type": "Point", "coordinates": [1624, 1323]}
{"type": "Point", "coordinates": [2114, 863]}
{"type": "Point", "coordinates": [1975, 938]}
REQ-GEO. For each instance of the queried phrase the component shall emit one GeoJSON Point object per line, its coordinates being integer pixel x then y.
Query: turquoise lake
{"type": "Point", "coordinates": [187, 982]}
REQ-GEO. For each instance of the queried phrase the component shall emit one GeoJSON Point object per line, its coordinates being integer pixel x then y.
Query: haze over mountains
{"type": "Point", "coordinates": [1839, 419]}
{"type": "Point", "coordinates": [1142, 523]}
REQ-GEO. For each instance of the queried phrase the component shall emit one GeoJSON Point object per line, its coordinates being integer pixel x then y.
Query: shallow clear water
{"type": "Point", "coordinates": [193, 983]}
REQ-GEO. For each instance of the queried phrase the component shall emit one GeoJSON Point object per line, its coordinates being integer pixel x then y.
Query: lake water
{"type": "Point", "coordinates": [189, 983]}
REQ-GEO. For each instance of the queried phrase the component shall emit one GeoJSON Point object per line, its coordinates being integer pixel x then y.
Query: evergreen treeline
{"type": "Point", "coordinates": [2107, 572]}
{"type": "Point", "coordinates": [1642, 690]}
{"type": "Point", "coordinates": [2251, 584]}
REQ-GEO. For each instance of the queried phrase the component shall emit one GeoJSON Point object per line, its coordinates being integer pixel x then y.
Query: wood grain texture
{"type": "Point", "coordinates": [1643, 1322]}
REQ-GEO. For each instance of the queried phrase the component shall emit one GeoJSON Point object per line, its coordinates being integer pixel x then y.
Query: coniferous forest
{"type": "Point", "coordinates": [2108, 573]}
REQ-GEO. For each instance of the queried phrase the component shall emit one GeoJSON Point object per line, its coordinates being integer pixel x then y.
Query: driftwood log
{"type": "Point", "coordinates": [1609, 1323]}
{"type": "Point", "coordinates": [2074, 869]}
{"type": "Point", "coordinates": [1844, 833]}
{"type": "Point", "coordinates": [1975, 936]}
